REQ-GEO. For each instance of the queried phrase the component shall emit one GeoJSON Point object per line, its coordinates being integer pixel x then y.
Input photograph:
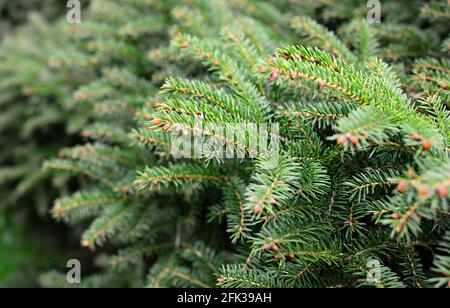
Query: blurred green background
{"type": "Point", "coordinates": [21, 259]}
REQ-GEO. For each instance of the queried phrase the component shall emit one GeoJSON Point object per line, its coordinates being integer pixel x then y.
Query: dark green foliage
{"type": "Point", "coordinates": [362, 174]}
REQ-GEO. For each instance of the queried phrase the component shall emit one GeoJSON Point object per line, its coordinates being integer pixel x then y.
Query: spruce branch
{"type": "Point", "coordinates": [178, 175]}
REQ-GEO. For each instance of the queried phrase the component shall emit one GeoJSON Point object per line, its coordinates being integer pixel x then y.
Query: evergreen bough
{"type": "Point", "coordinates": [363, 119]}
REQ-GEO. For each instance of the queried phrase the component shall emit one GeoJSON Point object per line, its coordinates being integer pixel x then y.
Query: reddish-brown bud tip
{"type": "Point", "coordinates": [273, 76]}
{"type": "Point", "coordinates": [442, 190]}
{"type": "Point", "coordinates": [354, 139]}
{"type": "Point", "coordinates": [272, 201]}
{"type": "Point", "coordinates": [422, 191]}
{"type": "Point", "coordinates": [341, 140]}
{"type": "Point", "coordinates": [416, 137]}
{"type": "Point", "coordinates": [257, 209]}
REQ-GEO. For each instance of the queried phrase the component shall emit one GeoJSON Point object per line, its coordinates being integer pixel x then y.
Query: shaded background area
{"type": "Point", "coordinates": [21, 258]}
{"type": "Point", "coordinates": [30, 241]}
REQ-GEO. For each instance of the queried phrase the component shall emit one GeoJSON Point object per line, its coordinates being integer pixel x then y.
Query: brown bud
{"type": "Point", "coordinates": [426, 145]}
{"type": "Point", "coordinates": [275, 247]}
{"type": "Point", "coordinates": [184, 45]}
{"type": "Point", "coordinates": [273, 76]}
{"type": "Point", "coordinates": [272, 201]}
{"type": "Point", "coordinates": [399, 228]}
{"type": "Point", "coordinates": [277, 257]}
{"type": "Point", "coordinates": [320, 86]}
{"type": "Point", "coordinates": [416, 137]}
{"type": "Point", "coordinates": [354, 139]}
{"type": "Point", "coordinates": [178, 128]}
{"type": "Point", "coordinates": [80, 96]}
{"type": "Point", "coordinates": [253, 198]}
{"type": "Point", "coordinates": [341, 140]}
{"type": "Point", "coordinates": [441, 190]}
{"type": "Point", "coordinates": [85, 243]}
{"type": "Point", "coordinates": [422, 191]}
{"type": "Point", "coordinates": [395, 216]}
{"type": "Point", "coordinates": [166, 127]}
{"type": "Point", "coordinates": [265, 247]}
{"type": "Point", "coordinates": [291, 256]}
{"type": "Point", "coordinates": [294, 75]}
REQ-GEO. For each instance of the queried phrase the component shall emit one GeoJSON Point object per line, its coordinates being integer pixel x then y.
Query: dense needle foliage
{"type": "Point", "coordinates": [363, 174]}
